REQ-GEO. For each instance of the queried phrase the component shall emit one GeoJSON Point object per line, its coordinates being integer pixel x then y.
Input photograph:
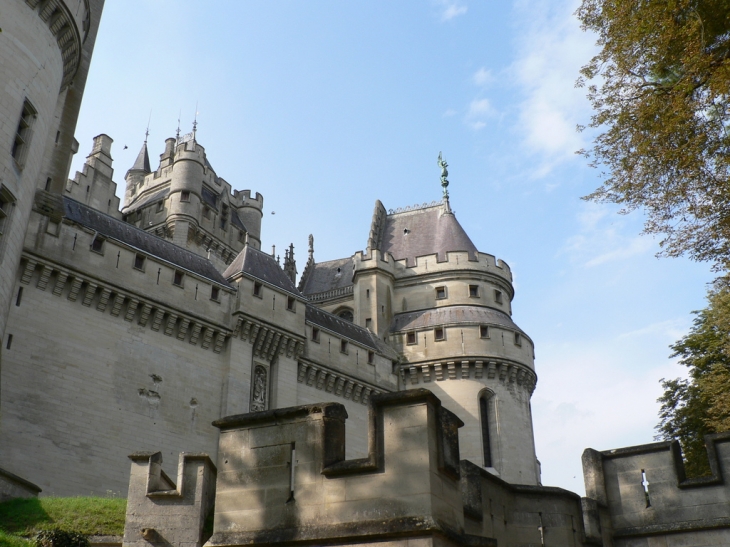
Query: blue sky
{"type": "Point", "coordinates": [324, 107]}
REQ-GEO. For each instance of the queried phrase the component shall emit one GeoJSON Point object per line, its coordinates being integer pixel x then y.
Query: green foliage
{"type": "Point", "coordinates": [84, 515]}
{"type": "Point", "coordinates": [693, 408]}
{"type": "Point", "coordinates": [661, 100]}
{"type": "Point", "coordinates": [60, 538]}
{"type": "Point", "coordinates": [8, 540]}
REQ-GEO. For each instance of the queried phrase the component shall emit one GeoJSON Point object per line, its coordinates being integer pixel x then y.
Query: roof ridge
{"type": "Point", "coordinates": [416, 207]}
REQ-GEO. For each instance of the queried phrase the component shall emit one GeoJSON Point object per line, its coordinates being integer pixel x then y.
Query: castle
{"type": "Point", "coordinates": [383, 396]}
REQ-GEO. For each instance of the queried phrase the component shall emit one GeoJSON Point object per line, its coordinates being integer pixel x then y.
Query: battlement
{"type": "Point", "coordinates": [242, 198]}
{"type": "Point", "coordinates": [162, 513]}
{"type": "Point", "coordinates": [432, 264]}
{"type": "Point", "coordinates": [645, 490]}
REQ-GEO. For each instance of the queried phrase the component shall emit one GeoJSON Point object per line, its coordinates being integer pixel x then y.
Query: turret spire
{"type": "Point", "coordinates": [142, 163]}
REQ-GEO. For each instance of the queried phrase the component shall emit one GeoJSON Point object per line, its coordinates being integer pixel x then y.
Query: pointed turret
{"type": "Point", "coordinates": [142, 163]}
{"type": "Point", "coordinates": [137, 173]}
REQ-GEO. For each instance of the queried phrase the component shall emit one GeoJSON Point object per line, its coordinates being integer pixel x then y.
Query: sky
{"type": "Point", "coordinates": [325, 106]}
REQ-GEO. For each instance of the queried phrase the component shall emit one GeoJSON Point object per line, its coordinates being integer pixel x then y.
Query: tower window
{"type": "Point", "coordinates": [498, 296]}
{"type": "Point", "coordinates": [161, 204]}
{"type": "Point", "coordinates": [371, 357]}
{"type": "Point", "coordinates": [290, 303]}
{"type": "Point", "coordinates": [518, 339]}
{"type": "Point", "coordinates": [411, 338]}
{"type": "Point", "coordinates": [184, 195]}
{"type": "Point", "coordinates": [23, 134]}
{"type": "Point", "coordinates": [139, 262]}
{"type": "Point", "coordinates": [439, 334]}
{"type": "Point", "coordinates": [440, 293]}
{"type": "Point", "coordinates": [178, 278]}
{"type": "Point", "coordinates": [97, 245]}
{"type": "Point", "coordinates": [257, 289]}
{"type": "Point", "coordinates": [483, 331]}
{"type": "Point", "coordinates": [486, 441]}
{"type": "Point", "coordinates": [474, 291]}
{"type": "Point", "coordinates": [315, 334]}
{"type": "Point", "coordinates": [343, 346]}
{"type": "Point", "coordinates": [369, 323]}
{"type": "Point", "coordinates": [215, 293]}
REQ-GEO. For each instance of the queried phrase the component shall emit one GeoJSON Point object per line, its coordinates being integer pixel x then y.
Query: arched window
{"type": "Point", "coordinates": [346, 314]}
{"type": "Point", "coordinates": [485, 410]}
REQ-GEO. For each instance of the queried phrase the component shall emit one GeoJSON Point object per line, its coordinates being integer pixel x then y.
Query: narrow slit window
{"type": "Point", "coordinates": [439, 334]}
{"type": "Point", "coordinates": [23, 134]}
{"type": "Point", "coordinates": [518, 339]}
{"type": "Point", "coordinates": [315, 334]}
{"type": "Point", "coordinates": [371, 357]}
{"type": "Point", "coordinates": [486, 441]}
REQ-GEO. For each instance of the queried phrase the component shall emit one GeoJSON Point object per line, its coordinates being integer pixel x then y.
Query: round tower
{"type": "Point", "coordinates": [451, 322]}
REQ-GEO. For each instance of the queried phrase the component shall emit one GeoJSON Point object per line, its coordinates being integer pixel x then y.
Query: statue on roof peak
{"type": "Point", "coordinates": [444, 173]}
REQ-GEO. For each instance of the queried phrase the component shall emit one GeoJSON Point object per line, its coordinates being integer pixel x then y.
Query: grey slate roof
{"type": "Point", "coordinates": [112, 228]}
{"type": "Point", "coordinates": [142, 163]}
{"type": "Point", "coordinates": [236, 221]}
{"type": "Point", "coordinates": [325, 276]}
{"type": "Point", "coordinates": [422, 232]}
{"type": "Point", "coordinates": [156, 196]}
{"type": "Point", "coordinates": [450, 315]}
{"type": "Point", "coordinates": [261, 266]}
{"type": "Point", "coordinates": [346, 329]}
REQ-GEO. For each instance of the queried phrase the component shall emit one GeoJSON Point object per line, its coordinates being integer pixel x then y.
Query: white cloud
{"type": "Point", "coordinates": [482, 77]}
{"type": "Point", "coordinates": [450, 9]}
{"type": "Point", "coordinates": [478, 111]}
{"type": "Point", "coordinates": [602, 238]}
{"type": "Point", "coordinates": [449, 112]}
{"type": "Point", "coordinates": [553, 48]}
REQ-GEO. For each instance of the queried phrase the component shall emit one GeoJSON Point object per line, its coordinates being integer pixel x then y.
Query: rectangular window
{"type": "Point", "coordinates": [474, 291]}
{"type": "Point", "coordinates": [97, 245]}
{"type": "Point", "coordinates": [215, 293]}
{"type": "Point", "coordinates": [178, 278]}
{"type": "Point", "coordinates": [184, 195]}
{"type": "Point", "coordinates": [518, 339]}
{"type": "Point", "coordinates": [206, 212]}
{"type": "Point", "coordinates": [161, 204]}
{"type": "Point", "coordinates": [486, 441]}
{"type": "Point", "coordinates": [410, 338]}
{"type": "Point", "coordinates": [290, 303]}
{"type": "Point", "coordinates": [139, 262]}
{"type": "Point", "coordinates": [371, 357]}
{"type": "Point", "coordinates": [241, 236]}
{"type": "Point", "coordinates": [343, 346]}
{"type": "Point", "coordinates": [440, 293]}
{"type": "Point", "coordinates": [257, 289]}
{"type": "Point", "coordinates": [6, 204]}
{"type": "Point", "coordinates": [315, 334]}
{"type": "Point", "coordinates": [483, 331]}
{"type": "Point", "coordinates": [20, 296]}
{"type": "Point", "coordinates": [498, 296]}
{"type": "Point", "coordinates": [368, 323]}
{"type": "Point", "coordinates": [23, 134]}
{"type": "Point", "coordinates": [439, 334]}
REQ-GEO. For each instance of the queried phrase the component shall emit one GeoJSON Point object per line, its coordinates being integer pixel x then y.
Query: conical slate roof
{"type": "Point", "coordinates": [261, 266]}
{"type": "Point", "coordinates": [142, 163]}
{"type": "Point", "coordinates": [423, 231]}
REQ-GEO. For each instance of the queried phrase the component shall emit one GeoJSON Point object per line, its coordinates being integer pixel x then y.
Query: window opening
{"type": "Point", "coordinates": [139, 262]}
{"type": "Point", "coordinates": [184, 195]}
{"type": "Point", "coordinates": [97, 245]}
{"type": "Point", "coordinates": [343, 346]}
{"type": "Point", "coordinates": [438, 334]}
{"type": "Point", "coordinates": [23, 134]}
{"type": "Point", "coordinates": [347, 315]}
{"type": "Point", "coordinates": [486, 442]}
{"type": "Point", "coordinates": [410, 338]}
{"type": "Point", "coordinates": [483, 331]}
{"type": "Point", "coordinates": [518, 339]}
{"type": "Point", "coordinates": [290, 302]}
{"type": "Point", "coordinates": [178, 278]}
{"type": "Point", "coordinates": [371, 357]}
{"type": "Point", "coordinates": [315, 334]}
{"type": "Point", "coordinates": [498, 296]}
{"type": "Point", "coordinates": [215, 293]}
{"type": "Point", "coordinates": [440, 293]}
{"type": "Point", "coordinates": [257, 289]}
{"type": "Point", "coordinates": [474, 291]}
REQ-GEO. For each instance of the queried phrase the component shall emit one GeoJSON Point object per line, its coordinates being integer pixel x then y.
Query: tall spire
{"type": "Point", "coordinates": [142, 163]}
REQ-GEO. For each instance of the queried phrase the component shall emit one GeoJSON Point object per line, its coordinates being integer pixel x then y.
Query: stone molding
{"type": "Point", "coordinates": [466, 369]}
{"type": "Point", "coordinates": [63, 26]}
{"type": "Point", "coordinates": [333, 293]}
{"type": "Point", "coordinates": [326, 379]}
{"type": "Point", "coordinates": [112, 298]}
{"type": "Point", "coordinates": [268, 342]}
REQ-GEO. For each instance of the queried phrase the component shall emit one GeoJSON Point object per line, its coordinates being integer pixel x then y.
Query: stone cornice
{"type": "Point", "coordinates": [268, 341]}
{"type": "Point", "coordinates": [326, 379]}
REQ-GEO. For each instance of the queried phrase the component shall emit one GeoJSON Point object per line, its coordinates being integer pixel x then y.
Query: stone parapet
{"type": "Point", "coordinates": [159, 512]}
{"type": "Point", "coordinates": [12, 486]}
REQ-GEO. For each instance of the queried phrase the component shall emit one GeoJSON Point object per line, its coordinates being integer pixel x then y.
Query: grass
{"type": "Point", "coordinates": [23, 518]}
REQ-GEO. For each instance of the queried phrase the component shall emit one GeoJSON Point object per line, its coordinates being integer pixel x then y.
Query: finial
{"type": "Point", "coordinates": [444, 173]}
{"type": "Point", "coordinates": [177, 133]}
{"type": "Point", "coordinates": [311, 247]}
{"type": "Point", "coordinates": [273, 251]}
{"type": "Point", "coordinates": [147, 132]}
{"type": "Point", "coordinates": [195, 121]}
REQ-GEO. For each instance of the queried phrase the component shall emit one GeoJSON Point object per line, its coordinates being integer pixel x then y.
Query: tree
{"type": "Point", "coordinates": [661, 101]}
{"type": "Point", "coordinates": [692, 408]}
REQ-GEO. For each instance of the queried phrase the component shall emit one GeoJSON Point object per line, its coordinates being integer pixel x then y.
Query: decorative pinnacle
{"type": "Point", "coordinates": [444, 173]}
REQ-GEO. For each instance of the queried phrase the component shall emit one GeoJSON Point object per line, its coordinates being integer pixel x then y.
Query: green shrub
{"type": "Point", "coordinates": [60, 538]}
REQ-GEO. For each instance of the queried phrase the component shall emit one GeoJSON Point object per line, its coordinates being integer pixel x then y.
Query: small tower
{"type": "Point", "coordinates": [136, 174]}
